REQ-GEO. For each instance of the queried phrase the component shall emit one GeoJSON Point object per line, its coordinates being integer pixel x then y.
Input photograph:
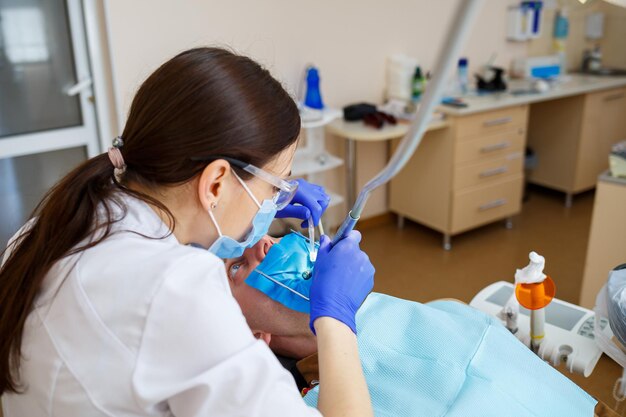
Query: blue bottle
{"type": "Point", "coordinates": [561, 25]}
{"type": "Point", "coordinates": [463, 76]}
{"type": "Point", "coordinates": [313, 98]}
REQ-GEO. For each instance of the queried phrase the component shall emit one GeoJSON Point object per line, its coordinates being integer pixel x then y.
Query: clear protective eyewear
{"type": "Point", "coordinates": [286, 189]}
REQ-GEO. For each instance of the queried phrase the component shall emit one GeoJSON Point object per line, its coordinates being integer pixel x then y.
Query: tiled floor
{"type": "Point", "coordinates": [411, 263]}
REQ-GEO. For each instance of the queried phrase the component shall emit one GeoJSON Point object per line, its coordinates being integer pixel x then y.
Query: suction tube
{"type": "Point", "coordinates": [459, 30]}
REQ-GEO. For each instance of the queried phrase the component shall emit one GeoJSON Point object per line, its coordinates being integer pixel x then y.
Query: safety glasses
{"type": "Point", "coordinates": [285, 189]}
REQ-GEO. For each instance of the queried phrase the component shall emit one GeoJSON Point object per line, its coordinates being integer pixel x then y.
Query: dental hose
{"type": "Point", "coordinates": [457, 33]}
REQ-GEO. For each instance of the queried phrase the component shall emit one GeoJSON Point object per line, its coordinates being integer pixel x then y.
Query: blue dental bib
{"type": "Point", "coordinates": [284, 275]}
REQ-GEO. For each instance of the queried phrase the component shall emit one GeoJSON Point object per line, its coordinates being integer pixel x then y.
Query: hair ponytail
{"type": "Point", "coordinates": [64, 218]}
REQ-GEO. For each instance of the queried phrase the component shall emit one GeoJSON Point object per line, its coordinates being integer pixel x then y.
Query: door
{"type": "Point", "coordinates": [47, 116]}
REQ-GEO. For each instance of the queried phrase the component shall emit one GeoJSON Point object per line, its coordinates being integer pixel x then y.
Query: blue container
{"type": "Point", "coordinates": [313, 98]}
{"type": "Point", "coordinates": [561, 26]}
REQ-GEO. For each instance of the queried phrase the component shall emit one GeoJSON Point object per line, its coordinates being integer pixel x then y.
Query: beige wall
{"type": "Point", "coordinates": [348, 40]}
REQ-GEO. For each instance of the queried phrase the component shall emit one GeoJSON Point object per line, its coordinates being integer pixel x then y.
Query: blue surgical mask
{"type": "Point", "coordinates": [284, 275]}
{"type": "Point", "coordinates": [226, 247]}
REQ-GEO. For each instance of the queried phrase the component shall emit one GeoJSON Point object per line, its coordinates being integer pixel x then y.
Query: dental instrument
{"type": "Point", "coordinates": [457, 33]}
{"type": "Point", "coordinates": [312, 248]}
{"type": "Point", "coordinates": [534, 290]}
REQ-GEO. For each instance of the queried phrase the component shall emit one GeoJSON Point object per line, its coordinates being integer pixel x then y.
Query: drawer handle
{"type": "Point", "coordinates": [492, 172]}
{"type": "Point", "coordinates": [495, 147]}
{"type": "Point", "coordinates": [497, 122]}
{"type": "Point", "coordinates": [495, 203]}
{"type": "Point", "coordinates": [614, 97]}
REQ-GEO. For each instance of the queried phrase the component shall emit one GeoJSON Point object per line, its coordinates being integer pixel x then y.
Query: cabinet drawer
{"type": "Point", "coordinates": [480, 124]}
{"type": "Point", "coordinates": [488, 172]}
{"type": "Point", "coordinates": [491, 146]}
{"type": "Point", "coordinates": [481, 205]}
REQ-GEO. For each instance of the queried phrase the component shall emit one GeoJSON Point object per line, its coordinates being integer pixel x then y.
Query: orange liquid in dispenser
{"type": "Point", "coordinates": [535, 296]}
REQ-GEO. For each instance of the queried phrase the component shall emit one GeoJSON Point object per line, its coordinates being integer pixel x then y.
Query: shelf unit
{"type": "Point", "coordinates": [312, 159]}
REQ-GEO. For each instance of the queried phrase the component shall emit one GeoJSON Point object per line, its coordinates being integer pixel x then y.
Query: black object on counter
{"type": "Point", "coordinates": [358, 111]}
{"type": "Point", "coordinates": [495, 84]}
{"type": "Point", "coordinates": [369, 115]}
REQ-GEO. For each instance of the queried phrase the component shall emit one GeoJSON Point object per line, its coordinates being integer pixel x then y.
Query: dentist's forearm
{"type": "Point", "coordinates": [343, 391]}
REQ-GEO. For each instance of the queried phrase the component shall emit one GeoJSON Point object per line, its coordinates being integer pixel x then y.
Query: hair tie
{"type": "Point", "coordinates": [115, 155]}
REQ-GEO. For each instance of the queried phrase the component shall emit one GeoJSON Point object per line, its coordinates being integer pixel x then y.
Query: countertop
{"type": "Point", "coordinates": [574, 84]}
{"type": "Point", "coordinates": [607, 177]}
{"type": "Point", "coordinates": [360, 132]}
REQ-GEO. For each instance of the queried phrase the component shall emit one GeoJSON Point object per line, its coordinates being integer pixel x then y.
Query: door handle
{"type": "Point", "coordinates": [495, 203]}
{"type": "Point", "coordinates": [492, 172]}
{"type": "Point", "coordinates": [495, 147]}
{"type": "Point", "coordinates": [496, 122]}
{"type": "Point", "coordinates": [78, 87]}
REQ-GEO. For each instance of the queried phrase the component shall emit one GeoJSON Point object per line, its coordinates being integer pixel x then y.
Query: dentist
{"type": "Point", "coordinates": [114, 299]}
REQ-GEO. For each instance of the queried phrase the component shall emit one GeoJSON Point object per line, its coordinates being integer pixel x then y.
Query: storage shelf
{"type": "Point", "coordinates": [305, 163]}
{"type": "Point", "coordinates": [328, 115]}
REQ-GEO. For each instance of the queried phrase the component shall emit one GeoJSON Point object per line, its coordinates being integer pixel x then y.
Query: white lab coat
{"type": "Point", "coordinates": [145, 327]}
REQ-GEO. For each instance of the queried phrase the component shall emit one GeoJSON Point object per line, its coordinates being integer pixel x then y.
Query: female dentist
{"type": "Point", "coordinates": [108, 307]}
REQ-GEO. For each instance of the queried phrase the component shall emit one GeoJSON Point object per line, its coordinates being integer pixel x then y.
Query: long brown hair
{"type": "Point", "coordinates": [204, 101]}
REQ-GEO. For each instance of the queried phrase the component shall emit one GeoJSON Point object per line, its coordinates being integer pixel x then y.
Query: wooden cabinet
{"type": "Point", "coordinates": [572, 138]}
{"type": "Point", "coordinates": [607, 238]}
{"type": "Point", "coordinates": [465, 176]}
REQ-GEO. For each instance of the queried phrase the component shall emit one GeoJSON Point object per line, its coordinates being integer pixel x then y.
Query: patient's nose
{"type": "Point", "coordinates": [261, 248]}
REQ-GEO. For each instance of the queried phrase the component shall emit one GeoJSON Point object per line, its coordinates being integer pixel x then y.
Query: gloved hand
{"type": "Point", "coordinates": [342, 277]}
{"type": "Point", "coordinates": [312, 200]}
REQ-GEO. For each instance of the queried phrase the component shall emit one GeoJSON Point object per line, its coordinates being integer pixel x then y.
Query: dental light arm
{"type": "Point", "coordinates": [459, 30]}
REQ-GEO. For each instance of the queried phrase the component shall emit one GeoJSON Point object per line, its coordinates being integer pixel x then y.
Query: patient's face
{"type": "Point", "coordinates": [289, 329]}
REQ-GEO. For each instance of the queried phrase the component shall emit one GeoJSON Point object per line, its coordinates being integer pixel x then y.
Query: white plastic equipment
{"type": "Point", "coordinates": [569, 329]}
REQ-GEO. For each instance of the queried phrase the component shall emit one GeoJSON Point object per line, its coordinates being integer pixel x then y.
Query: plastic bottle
{"type": "Point", "coordinates": [462, 75]}
{"type": "Point", "coordinates": [313, 98]}
{"type": "Point", "coordinates": [560, 34]}
{"type": "Point", "coordinates": [418, 84]}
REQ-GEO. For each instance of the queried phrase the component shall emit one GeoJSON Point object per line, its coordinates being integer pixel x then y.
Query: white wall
{"type": "Point", "coordinates": [348, 40]}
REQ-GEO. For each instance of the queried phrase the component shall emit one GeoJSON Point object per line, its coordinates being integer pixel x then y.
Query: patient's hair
{"type": "Point", "coordinates": [203, 102]}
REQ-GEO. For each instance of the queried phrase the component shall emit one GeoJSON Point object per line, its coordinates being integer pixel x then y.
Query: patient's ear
{"type": "Point", "coordinates": [266, 337]}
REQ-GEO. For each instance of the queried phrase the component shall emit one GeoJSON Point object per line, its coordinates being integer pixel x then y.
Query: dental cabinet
{"type": "Point", "coordinates": [465, 176]}
{"type": "Point", "coordinates": [572, 138]}
{"type": "Point", "coordinates": [472, 172]}
{"type": "Point", "coordinates": [607, 239]}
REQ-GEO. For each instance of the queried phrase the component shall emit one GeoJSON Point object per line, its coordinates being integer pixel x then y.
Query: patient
{"type": "Point", "coordinates": [443, 358]}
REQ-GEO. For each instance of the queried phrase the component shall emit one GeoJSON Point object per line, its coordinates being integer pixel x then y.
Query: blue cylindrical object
{"type": "Point", "coordinates": [313, 98]}
{"type": "Point", "coordinates": [462, 74]}
{"type": "Point", "coordinates": [561, 25]}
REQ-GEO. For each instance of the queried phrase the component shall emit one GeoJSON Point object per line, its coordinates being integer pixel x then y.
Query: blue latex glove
{"type": "Point", "coordinates": [343, 276]}
{"type": "Point", "coordinates": [309, 200]}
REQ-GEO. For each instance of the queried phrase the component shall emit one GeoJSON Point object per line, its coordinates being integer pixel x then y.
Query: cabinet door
{"type": "Point", "coordinates": [604, 124]}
